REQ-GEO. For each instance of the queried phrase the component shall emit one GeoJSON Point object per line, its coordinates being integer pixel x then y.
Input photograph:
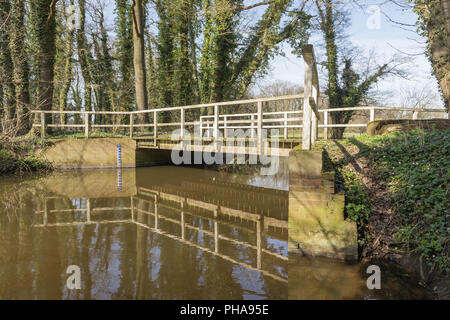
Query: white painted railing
{"type": "Point", "coordinates": [307, 119]}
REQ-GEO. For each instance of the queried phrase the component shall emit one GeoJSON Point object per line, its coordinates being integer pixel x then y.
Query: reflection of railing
{"type": "Point", "coordinates": [155, 201]}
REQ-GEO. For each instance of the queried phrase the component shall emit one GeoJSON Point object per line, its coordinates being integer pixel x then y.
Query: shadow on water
{"type": "Point", "coordinates": [158, 233]}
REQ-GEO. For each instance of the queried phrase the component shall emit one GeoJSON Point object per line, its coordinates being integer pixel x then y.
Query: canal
{"type": "Point", "coordinates": [163, 233]}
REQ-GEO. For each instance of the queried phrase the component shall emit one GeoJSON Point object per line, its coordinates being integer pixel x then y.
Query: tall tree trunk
{"type": "Point", "coordinates": [6, 69]}
{"type": "Point", "coordinates": [125, 54]}
{"type": "Point", "coordinates": [84, 56]}
{"type": "Point", "coordinates": [67, 72]}
{"type": "Point", "coordinates": [139, 56]}
{"type": "Point", "coordinates": [46, 31]}
{"type": "Point", "coordinates": [435, 16]}
{"type": "Point", "coordinates": [21, 68]}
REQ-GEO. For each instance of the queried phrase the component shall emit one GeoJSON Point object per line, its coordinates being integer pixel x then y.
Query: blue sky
{"type": "Point", "coordinates": [382, 41]}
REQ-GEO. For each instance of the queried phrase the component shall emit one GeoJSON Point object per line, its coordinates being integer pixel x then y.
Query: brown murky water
{"type": "Point", "coordinates": [158, 233]}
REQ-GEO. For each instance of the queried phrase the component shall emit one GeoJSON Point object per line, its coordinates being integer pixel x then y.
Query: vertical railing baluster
{"type": "Point", "coordinates": [86, 125]}
{"type": "Point", "coordinates": [325, 123]}
{"type": "Point", "coordinates": [372, 114]}
{"type": "Point", "coordinates": [216, 125]}
{"type": "Point", "coordinates": [225, 127]}
{"type": "Point", "coordinates": [252, 124]}
{"type": "Point", "coordinates": [132, 125]}
{"type": "Point", "coordinates": [42, 125]}
{"type": "Point", "coordinates": [155, 128]}
{"type": "Point", "coordinates": [181, 124]}
{"type": "Point", "coordinates": [259, 118]}
{"type": "Point", "coordinates": [285, 125]}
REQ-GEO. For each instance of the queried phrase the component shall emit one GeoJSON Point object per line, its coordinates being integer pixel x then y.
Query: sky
{"type": "Point", "coordinates": [385, 40]}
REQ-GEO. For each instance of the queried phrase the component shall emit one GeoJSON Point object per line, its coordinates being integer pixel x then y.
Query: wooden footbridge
{"type": "Point", "coordinates": [264, 122]}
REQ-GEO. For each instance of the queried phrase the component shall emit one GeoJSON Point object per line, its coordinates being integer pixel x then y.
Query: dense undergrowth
{"type": "Point", "coordinates": [16, 156]}
{"type": "Point", "coordinates": [415, 167]}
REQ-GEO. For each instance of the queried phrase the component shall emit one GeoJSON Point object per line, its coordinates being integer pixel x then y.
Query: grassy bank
{"type": "Point", "coordinates": [397, 190]}
{"type": "Point", "coordinates": [16, 156]}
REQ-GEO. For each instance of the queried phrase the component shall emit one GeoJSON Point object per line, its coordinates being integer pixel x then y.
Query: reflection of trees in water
{"type": "Point", "coordinates": [115, 260]}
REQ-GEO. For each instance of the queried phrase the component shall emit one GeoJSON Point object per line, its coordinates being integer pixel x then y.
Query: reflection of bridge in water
{"type": "Point", "coordinates": [208, 216]}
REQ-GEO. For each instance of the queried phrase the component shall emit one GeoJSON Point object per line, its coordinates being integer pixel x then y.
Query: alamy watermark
{"type": "Point", "coordinates": [74, 280]}
{"type": "Point", "coordinates": [374, 280]}
{"type": "Point", "coordinates": [374, 20]}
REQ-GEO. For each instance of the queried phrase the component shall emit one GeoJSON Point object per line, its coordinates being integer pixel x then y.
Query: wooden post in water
{"type": "Point", "coordinates": [131, 125]}
{"type": "Point", "coordinates": [42, 125]}
{"type": "Point", "coordinates": [86, 125]}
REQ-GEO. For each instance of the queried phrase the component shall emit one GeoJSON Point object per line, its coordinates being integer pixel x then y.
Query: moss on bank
{"type": "Point", "coordinates": [16, 156]}
{"type": "Point", "coordinates": [397, 190]}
